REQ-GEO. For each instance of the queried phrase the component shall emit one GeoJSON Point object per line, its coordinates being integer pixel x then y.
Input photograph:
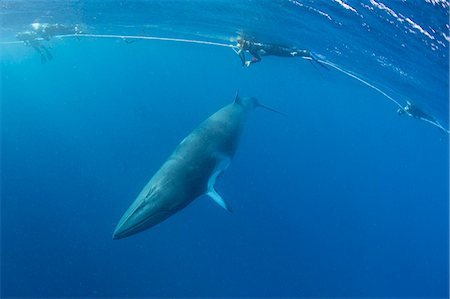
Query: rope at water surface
{"type": "Point", "coordinates": [233, 47]}
{"type": "Point", "coordinates": [362, 81]}
{"type": "Point", "coordinates": [180, 40]}
{"type": "Point", "coordinates": [380, 91]}
{"type": "Point", "coordinates": [131, 37]}
{"type": "Point", "coordinates": [11, 43]}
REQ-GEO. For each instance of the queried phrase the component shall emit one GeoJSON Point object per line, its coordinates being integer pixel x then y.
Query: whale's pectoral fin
{"type": "Point", "coordinates": [219, 200]}
{"type": "Point", "coordinates": [222, 163]}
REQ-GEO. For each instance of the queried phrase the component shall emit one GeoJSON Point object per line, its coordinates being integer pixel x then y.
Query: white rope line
{"type": "Point", "coordinates": [193, 41]}
{"type": "Point", "coordinates": [437, 124]}
{"type": "Point", "coordinates": [11, 43]}
{"type": "Point", "coordinates": [180, 40]}
{"type": "Point", "coordinates": [362, 81]}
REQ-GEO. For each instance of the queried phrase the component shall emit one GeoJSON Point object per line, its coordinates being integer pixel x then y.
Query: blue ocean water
{"type": "Point", "coordinates": [342, 198]}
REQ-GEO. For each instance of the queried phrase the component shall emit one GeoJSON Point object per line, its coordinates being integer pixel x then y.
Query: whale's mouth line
{"type": "Point", "coordinates": [124, 233]}
{"type": "Point", "coordinates": [136, 226]}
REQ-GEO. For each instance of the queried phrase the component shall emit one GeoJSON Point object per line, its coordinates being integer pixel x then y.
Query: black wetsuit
{"type": "Point", "coordinates": [49, 31]}
{"type": "Point", "coordinates": [259, 49]}
{"type": "Point", "coordinates": [31, 39]}
{"type": "Point", "coordinates": [416, 112]}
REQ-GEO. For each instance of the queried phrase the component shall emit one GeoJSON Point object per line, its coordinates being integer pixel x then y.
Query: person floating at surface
{"type": "Point", "coordinates": [47, 31]}
{"type": "Point", "coordinates": [414, 111]}
{"type": "Point", "coordinates": [40, 32]}
{"type": "Point", "coordinates": [30, 38]}
{"type": "Point", "coordinates": [260, 49]}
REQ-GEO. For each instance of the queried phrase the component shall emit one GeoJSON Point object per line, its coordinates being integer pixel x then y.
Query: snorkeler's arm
{"type": "Point", "coordinates": [241, 54]}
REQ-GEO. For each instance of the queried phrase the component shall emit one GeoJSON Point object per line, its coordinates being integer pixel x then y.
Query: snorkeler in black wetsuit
{"type": "Point", "coordinates": [414, 111]}
{"type": "Point", "coordinates": [47, 31]}
{"type": "Point", "coordinates": [259, 49]}
{"type": "Point", "coordinates": [44, 32]}
{"type": "Point", "coordinates": [30, 38]}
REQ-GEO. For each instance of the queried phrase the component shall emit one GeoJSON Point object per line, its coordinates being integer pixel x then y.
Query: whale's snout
{"type": "Point", "coordinates": [138, 219]}
{"type": "Point", "coordinates": [120, 232]}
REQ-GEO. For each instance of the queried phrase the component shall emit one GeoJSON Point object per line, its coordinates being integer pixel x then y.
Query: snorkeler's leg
{"type": "Point", "coordinates": [255, 57]}
{"type": "Point", "coordinates": [43, 59]}
{"type": "Point", "coordinates": [47, 52]}
{"type": "Point", "coordinates": [308, 55]}
{"type": "Point", "coordinates": [300, 53]}
{"type": "Point", "coordinates": [319, 63]}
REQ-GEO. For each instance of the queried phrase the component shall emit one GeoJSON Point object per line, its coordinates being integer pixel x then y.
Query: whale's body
{"type": "Point", "coordinates": [190, 171]}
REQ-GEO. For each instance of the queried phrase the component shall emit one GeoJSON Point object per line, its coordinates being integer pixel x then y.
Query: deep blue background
{"type": "Point", "coordinates": [343, 198]}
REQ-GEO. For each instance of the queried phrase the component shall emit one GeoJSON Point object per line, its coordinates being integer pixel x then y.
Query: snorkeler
{"type": "Point", "coordinates": [47, 31]}
{"type": "Point", "coordinates": [30, 38]}
{"type": "Point", "coordinates": [44, 32]}
{"type": "Point", "coordinates": [414, 111]}
{"type": "Point", "coordinates": [257, 50]}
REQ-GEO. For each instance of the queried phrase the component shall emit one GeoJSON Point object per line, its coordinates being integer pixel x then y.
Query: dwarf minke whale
{"type": "Point", "coordinates": [191, 170]}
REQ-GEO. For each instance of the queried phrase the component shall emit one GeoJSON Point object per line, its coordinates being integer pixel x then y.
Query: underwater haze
{"type": "Point", "coordinates": [341, 198]}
